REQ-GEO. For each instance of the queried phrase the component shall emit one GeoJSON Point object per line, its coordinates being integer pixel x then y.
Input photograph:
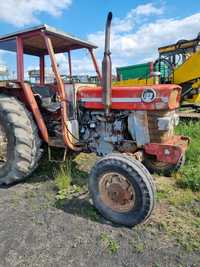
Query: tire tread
{"type": "Point", "coordinates": [27, 141]}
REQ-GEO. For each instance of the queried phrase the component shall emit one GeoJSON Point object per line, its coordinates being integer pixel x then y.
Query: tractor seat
{"type": "Point", "coordinates": [49, 105]}
{"type": "Point", "coordinates": [43, 91]}
{"type": "Point", "coordinates": [46, 96]}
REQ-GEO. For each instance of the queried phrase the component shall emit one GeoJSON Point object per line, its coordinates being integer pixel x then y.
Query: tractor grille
{"type": "Point", "coordinates": [161, 125]}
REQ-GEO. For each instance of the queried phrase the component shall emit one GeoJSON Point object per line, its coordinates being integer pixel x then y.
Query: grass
{"type": "Point", "coordinates": [67, 186]}
{"type": "Point", "coordinates": [138, 247]}
{"type": "Point", "coordinates": [179, 216]}
{"type": "Point", "coordinates": [63, 176]}
{"type": "Point", "coordinates": [111, 244]}
{"type": "Point", "coordinates": [67, 177]}
{"type": "Point", "coordinates": [189, 175]}
{"type": "Point", "coordinates": [180, 197]}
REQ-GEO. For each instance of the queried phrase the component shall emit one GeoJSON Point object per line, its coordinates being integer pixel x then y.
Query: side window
{"type": "Point", "coordinates": [82, 67]}
{"type": "Point", "coordinates": [8, 60]}
{"type": "Point", "coordinates": [31, 68]}
{"type": "Point", "coordinates": [49, 75]}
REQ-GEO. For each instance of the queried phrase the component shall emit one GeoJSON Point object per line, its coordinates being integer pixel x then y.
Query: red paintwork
{"type": "Point", "coordinates": [162, 90]}
{"type": "Point", "coordinates": [176, 146]}
{"type": "Point", "coordinates": [42, 70]}
{"type": "Point", "coordinates": [30, 33]}
{"type": "Point", "coordinates": [20, 59]}
{"type": "Point", "coordinates": [61, 91]}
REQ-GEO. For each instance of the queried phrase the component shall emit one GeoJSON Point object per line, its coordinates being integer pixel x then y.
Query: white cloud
{"type": "Point", "coordinates": [138, 35]}
{"type": "Point", "coordinates": [135, 16]}
{"type": "Point", "coordinates": [146, 9]}
{"type": "Point", "coordinates": [135, 37]}
{"type": "Point", "coordinates": [80, 65]}
{"type": "Point", "coordinates": [23, 12]}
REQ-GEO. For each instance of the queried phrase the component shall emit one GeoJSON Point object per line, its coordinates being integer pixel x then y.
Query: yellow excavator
{"type": "Point", "coordinates": [178, 63]}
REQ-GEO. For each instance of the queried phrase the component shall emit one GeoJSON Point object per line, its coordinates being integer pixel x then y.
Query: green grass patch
{"type": "Point", "coordinates": [63, 176]}
{"type": "Point", "coordinates": [178, 214]}
{"type": "Point", "coordinates": [111, 244]}
{"type": "Point", "coordinates": [139, 247]}
{"type": "Point", "coordinates": [69, 180]}
{"type": "Point", "coordinates": [189, 175]}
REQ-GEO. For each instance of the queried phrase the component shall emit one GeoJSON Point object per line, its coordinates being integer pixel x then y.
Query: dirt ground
{"type": "Point", "coordinates": [35, 230]}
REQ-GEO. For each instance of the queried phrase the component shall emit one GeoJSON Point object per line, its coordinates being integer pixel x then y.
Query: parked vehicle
{"type": "Point", "coordinates": [124, 126]}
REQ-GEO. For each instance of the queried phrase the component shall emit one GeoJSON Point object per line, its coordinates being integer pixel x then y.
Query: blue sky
{"type": "Point", "coordinates": [139, 27]}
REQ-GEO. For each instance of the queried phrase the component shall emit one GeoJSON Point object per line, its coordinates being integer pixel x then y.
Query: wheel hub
{"type": "Point", "coordinates": [117, 192]}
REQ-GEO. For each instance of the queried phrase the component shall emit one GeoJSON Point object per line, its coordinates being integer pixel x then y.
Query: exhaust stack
{"type": "Point", "coordinates": [107, 67]}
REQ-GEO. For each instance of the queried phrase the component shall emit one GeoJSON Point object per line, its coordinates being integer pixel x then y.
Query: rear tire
{"type": "Point", "coordinates": [22, 141]}
{"type": "Point", "coordinates": [122, 190]}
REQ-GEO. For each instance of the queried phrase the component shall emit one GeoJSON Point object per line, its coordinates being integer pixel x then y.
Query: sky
{"type": "Point", "coordinates": [138, 28]}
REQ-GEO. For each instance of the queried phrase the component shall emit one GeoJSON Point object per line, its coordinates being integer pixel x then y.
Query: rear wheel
{"type": "Point", "coordinates": [122, 189]}
{"type": "Point", "coordinates": [19, 141]}
{"type": "Point", "coordinates": [163, 168]}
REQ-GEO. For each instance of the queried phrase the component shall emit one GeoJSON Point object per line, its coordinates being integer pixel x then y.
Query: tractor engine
{"type": "Point", "coordinates": [125, 131]}
{"type": "Point", "coordinates": [102, 136]}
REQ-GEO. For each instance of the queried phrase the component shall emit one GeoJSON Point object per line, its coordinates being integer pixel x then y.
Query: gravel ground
{"type": "Point", "coordinates": [34, 231]}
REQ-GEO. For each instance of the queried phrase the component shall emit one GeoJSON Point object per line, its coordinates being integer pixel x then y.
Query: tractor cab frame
{"type": "Point", "coordinates": [44, 41]}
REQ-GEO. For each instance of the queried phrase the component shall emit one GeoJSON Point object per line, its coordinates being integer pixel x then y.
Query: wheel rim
{"type": "Point", "coordinates": [3, 147]}
{"type": "Point", "coordinates": [117, 192]}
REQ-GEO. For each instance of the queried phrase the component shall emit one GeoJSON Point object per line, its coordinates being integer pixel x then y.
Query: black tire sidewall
{"type": "Point", "coordinates": [9, 130]}
{"type": "Point", "coordinates": [130, 218]}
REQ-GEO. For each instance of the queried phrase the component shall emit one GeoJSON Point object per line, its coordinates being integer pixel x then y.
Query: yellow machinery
{"type": "Point", "coordinates": [178, 63]}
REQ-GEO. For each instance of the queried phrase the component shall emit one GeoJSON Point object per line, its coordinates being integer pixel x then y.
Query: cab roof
{"type": "Point", "coordinates": [34, 43]}
{"type": "Point", "coordinates": [182, 44]}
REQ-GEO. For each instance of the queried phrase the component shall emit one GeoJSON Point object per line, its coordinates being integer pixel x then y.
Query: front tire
{"type": "Point", "coordinates": [122, 190]}
{"type": "Point", "coordinates": [19, 141]}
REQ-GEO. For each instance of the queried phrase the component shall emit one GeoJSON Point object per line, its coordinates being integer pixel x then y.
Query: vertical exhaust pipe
{"type": "Point", "coordinates": [107, 67]}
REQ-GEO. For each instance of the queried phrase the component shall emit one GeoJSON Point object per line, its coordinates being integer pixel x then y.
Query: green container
{"type": "Point", "coordinates": [164, 70]}
{"type": "Point", "coordinates": [141, 71]}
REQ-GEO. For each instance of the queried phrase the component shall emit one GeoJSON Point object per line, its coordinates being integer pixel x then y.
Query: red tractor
{"type": "Point", "coordinates": [127, 126]}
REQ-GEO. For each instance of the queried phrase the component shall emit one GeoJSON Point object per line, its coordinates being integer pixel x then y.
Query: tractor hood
{"type": "Point", "coordinates": [157, 97]}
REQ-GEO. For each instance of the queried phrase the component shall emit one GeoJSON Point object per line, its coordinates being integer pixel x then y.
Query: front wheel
{"type": "Point", "coordinates": [122, 190]}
